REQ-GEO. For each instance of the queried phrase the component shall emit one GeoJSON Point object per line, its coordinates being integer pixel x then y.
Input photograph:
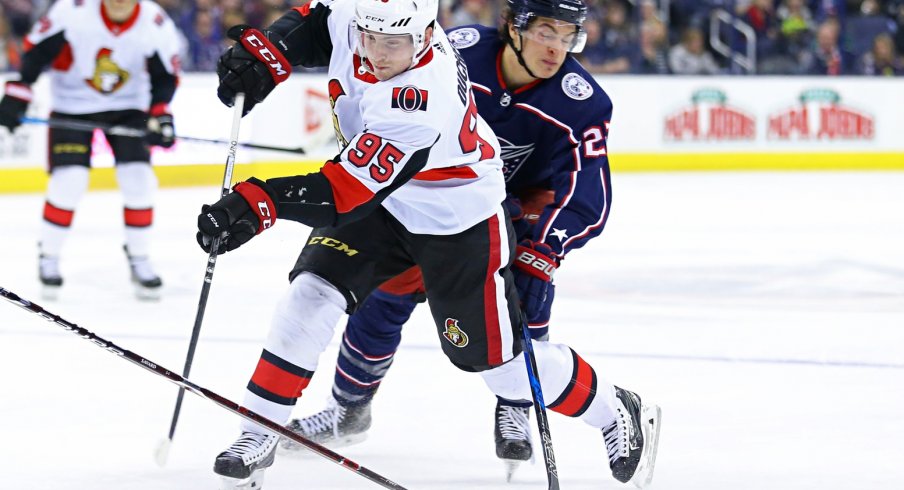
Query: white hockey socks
{"type": "Point", "coordinates": [303, 325]}
{"type": "Point", "coordinates": [65, 189]}
{"type": "Point", "coordinates": [138, 185]}
{"type": "Point", "coordinates": [570, 385]}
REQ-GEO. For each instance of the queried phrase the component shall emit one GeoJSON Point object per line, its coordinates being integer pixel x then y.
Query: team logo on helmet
{"type": "Point", "coordinates": [454, 334]}
{"type": "Point", "coordinates": [464, 38]}
{"type": "Point", "coordinates": [409, 98]}
{"type": "Point", "coordinates": [576, 87]}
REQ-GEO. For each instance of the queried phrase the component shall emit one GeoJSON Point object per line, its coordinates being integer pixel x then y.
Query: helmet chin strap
{"type": "Point", "coordinates": [517, 51]}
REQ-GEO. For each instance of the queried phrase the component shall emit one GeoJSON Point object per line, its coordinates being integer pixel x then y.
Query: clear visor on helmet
{"type": "Point", "coordinates": [377, 46]}
{"type": "Point", "coordinates": [556, 34]}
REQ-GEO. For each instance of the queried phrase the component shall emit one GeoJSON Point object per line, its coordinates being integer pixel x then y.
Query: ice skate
{"type": "Point", "coordinates": [49, 275]}
{"type": "Point", "coordinates": [632, 440]}
{"type": "Point", "coordinates": [513, 437]}
{"type": "Point", "coordinates": [147, 283]}
{"type": "Point", "coordinates": [335, 426]}
{"type": "Point", "coordinates": [242, 465]}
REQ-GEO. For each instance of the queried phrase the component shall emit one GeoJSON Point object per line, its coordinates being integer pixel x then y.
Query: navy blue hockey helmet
{"type": "Point", "coordinates": [569, 11]}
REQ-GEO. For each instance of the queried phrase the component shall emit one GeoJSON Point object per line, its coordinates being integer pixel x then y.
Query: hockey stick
{"type": "Point", "coordinates": [185, 384]}
{"type": "Point", "coordinates": [162, 452]}
{"type": "Point", "coordinates": [533, 375]}
{"type": "Point", "coordinates": [130, 132]}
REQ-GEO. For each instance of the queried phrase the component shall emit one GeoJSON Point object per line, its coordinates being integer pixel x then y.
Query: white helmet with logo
{"type": "Point", "coordinates": [410, 17]}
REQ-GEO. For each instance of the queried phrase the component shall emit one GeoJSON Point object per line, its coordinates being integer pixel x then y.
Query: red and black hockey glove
{"type": "Point", "coordinates": [237, 217]}
{"type": "Point", "coordinates": [16, 98]}
{"type": "Point", "coordinates": [254, 66]}
{"type": "Point", "coordinates": [161, 131]}
{"type": "Point", "coordinates": [533, 269]}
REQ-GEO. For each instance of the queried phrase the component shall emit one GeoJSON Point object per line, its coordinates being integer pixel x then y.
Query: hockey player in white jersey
{"type": "Point", "coordinates": [418, 182]}
{"type": "Point", "coordinates": [112, 62]}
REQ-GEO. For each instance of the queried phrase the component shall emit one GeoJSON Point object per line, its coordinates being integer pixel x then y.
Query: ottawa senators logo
{"type": "Point", "coordinates": [409, 98]}
{"type": "Point", "coordinates": [336, 91]}
{"type": "Point", "coordinates": [454, 334]}
{"type": "Point", "coordinates": [108, 76]}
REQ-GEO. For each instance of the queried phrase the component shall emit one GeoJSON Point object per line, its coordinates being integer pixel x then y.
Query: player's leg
{"type": "Point", "coordinates": [138, 185]}
{"type": "Point", "coordinates": [69, 160]}
{"type": "Point", "coordinates": [572, 387]}
{"type": "Point", "coordinates": [366, 352]}
{"type": "Point", "coordinates": [336, 266]}
{"type": "Point", "coordinates": [480, 331]}
{"type": "Point", "coordinates": [512, 431]}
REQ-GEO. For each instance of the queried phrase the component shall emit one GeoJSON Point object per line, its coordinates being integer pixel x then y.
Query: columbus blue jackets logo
{"type": "Point", "coordinates": [454, 334]}
{"type": "Point", "coordinates": [464, 38]}
{"type": "Point", "coordinates": [409, 98]}
{"type": "Point", "coordinates": [513, 156]}
{"type": "Point", "coordinates": [576, 87]}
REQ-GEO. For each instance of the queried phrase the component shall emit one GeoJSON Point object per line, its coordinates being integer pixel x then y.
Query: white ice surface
{"type": "Point", "coordinates": [764, 313]}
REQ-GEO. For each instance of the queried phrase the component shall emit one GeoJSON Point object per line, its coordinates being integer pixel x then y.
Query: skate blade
{"type": "Point", "coordinates": [652, 417]}
{"type": "Point", "coordinates": [50, 293]}
{"type": "Point", "coordinates": [291, 448]}
{"type": "Point", "coordinates": [253, 482]}
{"type": "Point", "coordinates": [147, 294]}
{"type": "Point", "coordinates": [511, 465]}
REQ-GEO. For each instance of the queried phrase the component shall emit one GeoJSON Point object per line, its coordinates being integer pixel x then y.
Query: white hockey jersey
{"type": "Point", "coordinates": [383, 126]}
{"type": "Point", "coordinates": [103, 66]}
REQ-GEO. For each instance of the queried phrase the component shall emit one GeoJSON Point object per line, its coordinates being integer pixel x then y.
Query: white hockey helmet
{"type": "Point", "coordinates": [411, 17]}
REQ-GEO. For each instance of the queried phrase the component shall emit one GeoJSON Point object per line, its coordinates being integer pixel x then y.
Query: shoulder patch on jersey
{"type": "Point", "coordinates": [576, 87]}
{"type": "Point", "coordinates": [409, 98]}
{"type": "Point", "coordinates": [464, 38]}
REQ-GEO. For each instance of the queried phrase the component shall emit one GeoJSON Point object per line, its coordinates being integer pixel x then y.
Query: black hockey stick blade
{"type": "Point", "coordinates": [198, 390]}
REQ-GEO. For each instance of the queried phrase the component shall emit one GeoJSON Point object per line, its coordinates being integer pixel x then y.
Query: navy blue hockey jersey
{"type": "Point", "coordinates": [553, 136]}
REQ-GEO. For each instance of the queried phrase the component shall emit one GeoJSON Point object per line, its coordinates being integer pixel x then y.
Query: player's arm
{"type": "Point", "coordinates": [163, 71]}
{"type": "Point", "coordinates": [42, 45]}
{"type": "Point", "coordinates": [261, 60]}
{"type": "Point", "coordinates": [347, 188]}
{"type": "Point", "coordinates": [583, 194]}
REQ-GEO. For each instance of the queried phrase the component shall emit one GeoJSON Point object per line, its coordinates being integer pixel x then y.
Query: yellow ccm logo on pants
{"type": "Point", "coordinates": [332, 243]}
{"type": "Point", "coordinates": [76, 148]}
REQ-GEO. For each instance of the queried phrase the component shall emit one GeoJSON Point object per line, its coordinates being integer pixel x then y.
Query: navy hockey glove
{"type": "Point", "coordinates": [161, 131]}
{"type": "Point", "coordinates": [15, 101]}
{"type": "Point", "coordinates": [533, 269]}
{"type": "Point", "coordinates": [255, 65]}
{"type": "Point", "coordinates": [237, 217]}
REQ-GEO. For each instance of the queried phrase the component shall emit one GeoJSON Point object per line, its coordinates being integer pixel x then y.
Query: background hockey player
{"type": "Point", "coordinates": [552, 121]}
{"type": "Point", "coordinates": [113, 62]}
{"type": "Point", "coordinates": [418, 182]}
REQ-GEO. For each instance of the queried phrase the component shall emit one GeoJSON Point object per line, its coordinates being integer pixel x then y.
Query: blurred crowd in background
{"type": "Point", "coordinates": [683, 37]}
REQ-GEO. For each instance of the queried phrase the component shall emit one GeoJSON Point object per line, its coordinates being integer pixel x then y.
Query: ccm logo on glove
{"type": "Point", "coordinates": [263, 50]}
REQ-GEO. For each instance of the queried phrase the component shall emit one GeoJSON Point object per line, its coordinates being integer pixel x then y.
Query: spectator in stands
{"type": "Point", "coordinates": [882, 59]}
{"type": "Point", "coordinates": [205, 43]}
{"type": "Point", "coordinates": [463, 12]}
{"type": "Point", "coordinates": [690, 57]}
{"type": "Point", "coordinates": [761, 17]}
{"type": "Point", "coordinates": [614, 44]}
{"type": "Point", "coordinates": [9, 46]}
{"type": "Point", "coordinates": [899, 23]}
{"type": "Point", "coordinates": [827, 58]}
{"type": "Point", "coordinates": [652, 56]}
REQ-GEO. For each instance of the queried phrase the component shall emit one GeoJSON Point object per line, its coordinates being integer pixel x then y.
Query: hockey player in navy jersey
{"type": "Point", "coordinates": [552, 121]}
{"type": "Point", "coordinates": [418, 182]}
{"type": "Point", "coordinates": [111, 62]}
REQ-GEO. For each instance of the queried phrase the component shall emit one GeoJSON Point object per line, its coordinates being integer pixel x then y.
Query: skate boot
{"type": "Point", "coordinates": [49, 274]}
{"type": "Point", "coordinates": [513, 437]}
{"type": "Point", "coordinates": [147, 282]}
{"type": "Point", "coordinates": [335, 426]}
{"type": "Point", "coordinates": [632, 440]}
{"type": "Point", "coordinates": [242, 465]}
